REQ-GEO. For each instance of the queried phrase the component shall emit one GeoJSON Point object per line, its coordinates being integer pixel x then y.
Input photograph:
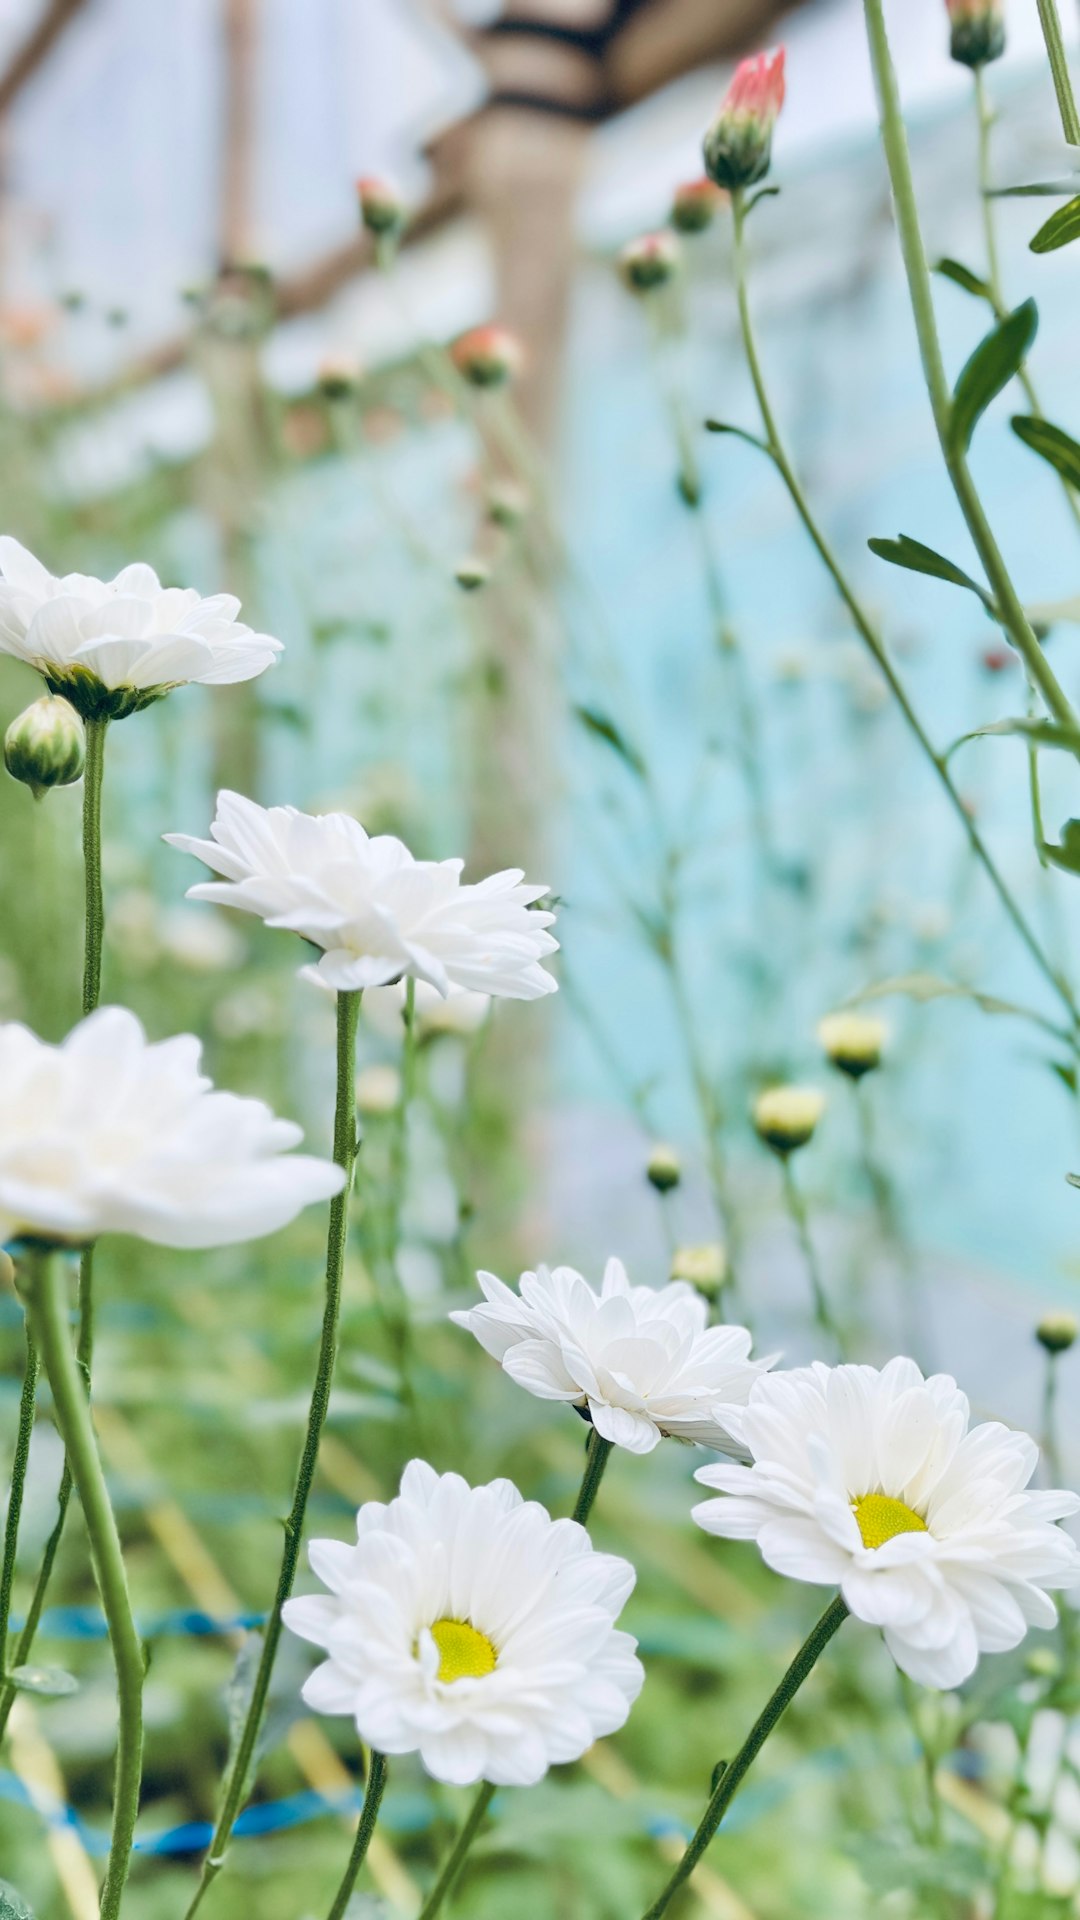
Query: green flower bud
{"type": "Point", "coordinates": [786, 1118]}
{"type": "Point", "coordinates": [1057, 1332]}
{"type": "Point", "coordinates": [704, 1267]}
{"type": "Point", "coordinates": [977, 31]}
{"type": "Point", "coordinates": [46, 746]}
{"type": "Point", "coordinates": [664, 1169]}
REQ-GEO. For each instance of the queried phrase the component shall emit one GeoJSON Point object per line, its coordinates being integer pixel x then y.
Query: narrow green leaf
{"type": "Point", "coordinates": [1037, 733]}
{"type": "Point", "coordinates": [1061, 228]}
{"type": "Point", "coordinates": [962, 276]}
{"type": "Point", "coordinates": [993, 364]}
{"type": "Point", "coordinates": [604, 729]}
{"type": "Point", "coordinates": [1051, 443]}
{"type": "Point", "coordinates": [905, 552]}
{"type": "Point", "coordinates": [763, 193]}
{"type": "Point", "coordinates": [50, 1681]}
{"type": "Point", "coordinates": [924, 987]}
{"type": "Point", "coordinates": [741, 433]}
{"type": "Point", "coordinates": [1055, 189]}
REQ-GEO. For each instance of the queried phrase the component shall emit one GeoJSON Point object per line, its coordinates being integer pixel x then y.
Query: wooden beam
{"type": "Point", "coordinates": [36, 47]}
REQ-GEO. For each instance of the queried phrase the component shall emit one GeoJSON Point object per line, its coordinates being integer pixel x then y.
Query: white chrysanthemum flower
{"type": "Point", "coordinates": [113, 646]}
{"type": "Point", "coordinates": [643, 1361]}
{"type": "Point", "coordinates": [470, 1627]}
{"type": "Point", "coordinates": [874, 1483]}
{"type": "Point", "coordinates": [375, 911]}
{"type": "Point", "coordinates": [112, 1133]}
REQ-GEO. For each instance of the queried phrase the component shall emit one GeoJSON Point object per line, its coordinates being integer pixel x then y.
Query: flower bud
{"type": "Point", "coordinates": [705, 1267]}
{"type": "Point", "coordinates": [1042, 1663]}
{"type": "Point", "coordinates": [854, 1042]}
{"type": "Point", "coordinates": [46, 746]}
{"type": "Point", "coordinates": [472, 573]}
{"type": "Point", "coordinates": [977, 31]}
{"type": "Point", "coordinates": [786, 1118]}
{"type": "Point", "coordinates": [738, 145]}
{"type": "Point", "coordinates": [338, 376]}
{"type": "Point", "coordinates": [381, 209]}
{"type": "Point", "coordinates": [488, 356]}
{"type": "Point", "coordinates": [649, 262]}
{"type": "Point", "coordinates": [997, 659]}
{"type": "Point", "coordinates": [507, 504]}
{"type": "Point", "coordinates": [696, 205]}
{"type": "Point", "coordinates": [664, 1169]}
{"type": "Point", "coordinates": [1057, 1332]}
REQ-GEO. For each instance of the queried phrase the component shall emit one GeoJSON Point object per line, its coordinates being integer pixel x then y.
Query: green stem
{"type": "Point", "coordinates": [735, 1773]}
{"type": "Point", "coordinates": [47, 1295]}
{"type": "Point", "coordinates": [597, 1454]}
{"type": "Point", "coordinates": [369, 1814]}
{"type": "Point", "coordinates": [1059, 67]}
{"type": "Point", "coordinates": [83, 1355]}
{"type": "Point", "coordinates": [985, 120]}
{"type": "Point", "coordinates": [796, 1206]}
{"type": "Point", "coordinates": [461, 1847]}
{"type": "Point", "coordinates": [236, 1785]}
{"type": "Point", "coordinates": [1010, 611]}
{"type": "Point", "coordinates": [873, 641]}
{"type": "Point", "coordinates": [91, 840]}
{"type": "Point", "coordinates": [1049, 1421]}
{"type": "Point", "coordinates": [18, 1489]}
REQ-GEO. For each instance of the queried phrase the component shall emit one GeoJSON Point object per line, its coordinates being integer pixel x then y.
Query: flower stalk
{"type": "Point", "coordinates": [800, 1220]}
{"type": "Point", "coordinates": [597, 1454]}
{"type": "Point", "coordinates": [735, 1773]}
{"type": "Point", "coordinates": [374, 1789]}
{"type": "Point", "coordinates": [18, 1488]}
{"type": "Point", "coordinates": [1050, 21]}
{"type": "Point", "coordinates": [456, 1860]}
{"type": "Point", "coordinates": [775, 448]}
{"type": "Point", "coordinates": [47, 1296]}
{"type": "Point", "coordinates": [91, 841]}
{"type": "Point", "coordinates": [345, 1149]}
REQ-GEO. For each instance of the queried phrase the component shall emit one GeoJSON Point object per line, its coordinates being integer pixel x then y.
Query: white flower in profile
{"type": "Point", "coordinates": [375, 911]}
{"type": "Point", "coordinates": [642, 1361]}
{"type": "Point", "coordinates": [113, 646]}
{"type": "Point", "coordinates": [875, 1482]}
{"type": "Point", "coordinates": [112, 1133]}
{"type": "Point", "coordinates": [470, 1627]}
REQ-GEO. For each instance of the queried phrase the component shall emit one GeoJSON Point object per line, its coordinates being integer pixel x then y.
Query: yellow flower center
{"type": "Point", "coordinates": [464, 1652]}
{"type": "Point", "coordinates": [881, 1518]}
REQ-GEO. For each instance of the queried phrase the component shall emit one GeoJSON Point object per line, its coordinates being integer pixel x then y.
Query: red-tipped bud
{"type": "Point", "coordinates": [997, 659]}
{"type": "Point", "coordinates": [649, 262]}
{"type": "Point", "coordinates": [696, 204]}
{"type": "Point", "coordinates": [381, 208]}
{"type": "Point", "coordinates": [738, 145]}
{"type": "Point", "coordinates": [488, 356]}
{"type": "Point", "coordinates": [977, 29]}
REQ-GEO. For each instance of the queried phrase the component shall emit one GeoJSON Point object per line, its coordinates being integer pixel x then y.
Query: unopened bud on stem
{"type": "Point", "coordinates": [738, 145]}
{"type": "Point", "coordinates": [46, 746]}
{"type": "Point", "coordinates": [786, 1118]}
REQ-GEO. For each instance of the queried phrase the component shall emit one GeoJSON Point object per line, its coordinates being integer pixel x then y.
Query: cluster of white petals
{"type": "Point", "coordinates": [112, 1133]}
{"type": "Point", "coordinates": [470, 1627]}
{"type": "Point", "coordinates": [642, 1361]}
{"type": "Point", "coordinates": [376, 912]}
{"type": "Point", "coordinates": [110, 646]}
{"type": "Point", "coordinates": [875, 1482]}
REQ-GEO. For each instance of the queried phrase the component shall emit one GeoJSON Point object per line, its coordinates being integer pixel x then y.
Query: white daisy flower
{"type": "Point", "coordinates": [110, 1133]}
{"type": "Point", "coordinates": [470, 1627]}
{"type": "Point", "coordinates": [642, 1361]}
{"type": "Point", "coordinates": [113, 646]}
{"type": "Point", "coordinates": [375, 911]}
{"type": "Point", "coordinates": [875, 1483]}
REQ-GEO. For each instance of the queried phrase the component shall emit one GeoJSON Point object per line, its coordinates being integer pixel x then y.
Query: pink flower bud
{"type": "Point", "coordinates": [381, 209]}
{"type": "Point", "coordinates": [738, 144]}
{"type": "Point", "coordinates": [649, 262]}
{"type": "Point", "coordinates": [695, 205]}
{"type": "Point", "coordinates": [488, 356]}
{"type": "Point", "coordinates": [998, 659]}
{"type": "Point", "coordinates": [978, 30]}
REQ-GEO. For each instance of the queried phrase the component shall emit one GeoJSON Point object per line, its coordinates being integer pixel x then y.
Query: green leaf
{"type": "Point", "coordinates": [993, 364]}
{"type": "Point", "coordinates": [1053, 188]}
{"type": "Point", "coordinates": [905, 552]}
{"type": "Point", "coordinates": [12, 1904]}
{"type": "Point", "coordinates": [51, 1681]}
{"type": "Point", "coordinates": [924, 987]}
{"type": "Point", "coordinates": [763, 193]}
{"type": "Point", "coordinates": [741, 433]}
{"type": "Point", "coordinates": [962, 276]}
{"type": "Point", "coordinates": [604, 729]}
{"type": "Point", "coordinates": [1037, 733]}
{"type": "Point", "coordinates": [1066, 854]}
{"type": "Point", "coordinates": [1061, 228]}
{"type": "Point", "coordinates": [1051, 443]}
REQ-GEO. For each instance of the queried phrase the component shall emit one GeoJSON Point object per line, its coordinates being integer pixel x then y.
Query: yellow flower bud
{"type": "Point", "coordinates": [853, 1042]}
{"type": "Point", "coordinates": [705, 1267]}
{"type": "Point", "coordinates": [786, 1117]}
